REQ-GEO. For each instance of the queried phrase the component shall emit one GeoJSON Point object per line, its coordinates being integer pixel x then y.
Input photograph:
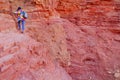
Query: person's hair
{"type": "Point", "coordinates": [19, 8]}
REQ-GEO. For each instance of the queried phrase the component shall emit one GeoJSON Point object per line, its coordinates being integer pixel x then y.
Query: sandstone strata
{"type": "Point", "coordinates": [64, 40]}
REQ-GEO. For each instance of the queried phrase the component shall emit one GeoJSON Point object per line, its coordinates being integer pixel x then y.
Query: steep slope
{"type": "Point", "coordinates": [85, 45]}
{"type": "Point", "coordinates": [94, 53]}
{"type": "Point", "coordinates": [32, 55]}
{"type": "Point", "coordinates": [24, 58]}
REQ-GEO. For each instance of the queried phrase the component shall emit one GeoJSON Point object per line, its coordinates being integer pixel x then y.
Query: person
{"type": "Point", "coordinates": [20, 19]}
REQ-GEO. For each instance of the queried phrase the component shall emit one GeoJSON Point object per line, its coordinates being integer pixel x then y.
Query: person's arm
{"type": "Point", "coordinates": [15, 12]}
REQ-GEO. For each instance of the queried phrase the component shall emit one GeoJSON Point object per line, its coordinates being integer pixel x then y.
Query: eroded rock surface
{"type": "Point", "coordinates": [63, 40]}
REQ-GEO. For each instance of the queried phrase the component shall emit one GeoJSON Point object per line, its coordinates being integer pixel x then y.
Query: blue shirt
{"type": "Point", "coordinates": [20, 15]}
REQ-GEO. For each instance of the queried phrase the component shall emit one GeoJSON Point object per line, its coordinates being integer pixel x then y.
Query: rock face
{"type": "Point", "coordinates": [22, 58]}
{"type": "Point", "coordinates": [63, 40]}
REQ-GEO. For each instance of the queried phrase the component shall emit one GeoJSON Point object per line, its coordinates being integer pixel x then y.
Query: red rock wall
{"type": "Point", "coordinates": [24, 58]}
{"type": "Point", "coordinates": [80, 12]}
{"type": "Point", "coordinates": [64, 39]}
{"type": "Point", "coordinates": [91, 12]}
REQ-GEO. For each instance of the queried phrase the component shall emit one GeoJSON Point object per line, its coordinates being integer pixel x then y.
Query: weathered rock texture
{"type": "Point", "coordinates": [63, 40]}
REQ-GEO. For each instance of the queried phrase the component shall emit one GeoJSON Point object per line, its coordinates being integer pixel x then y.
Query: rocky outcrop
{"type": "Point", "coordinates": [94, 53]}
{"type": "Point", "coordinates": [91, 12]}
{"type": "Point", "coordinates": [6, 22]}
{"type": "Point", "coordinates": [63, 40]}
{"type": "Point", "coordinates": [23, 58]}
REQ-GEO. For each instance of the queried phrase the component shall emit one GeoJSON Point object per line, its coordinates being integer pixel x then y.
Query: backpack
{"type": "Point", "coordinates": [25, 15]}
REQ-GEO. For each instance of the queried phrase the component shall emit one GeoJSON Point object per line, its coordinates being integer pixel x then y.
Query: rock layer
{"type": "Point", "coordinates": [63, 40]}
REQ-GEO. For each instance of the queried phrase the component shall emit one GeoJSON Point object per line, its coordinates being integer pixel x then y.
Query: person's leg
{"type": "Point", "coordinates": [23, 25]}
{"type": "Point", "coordinates": [19, 25]}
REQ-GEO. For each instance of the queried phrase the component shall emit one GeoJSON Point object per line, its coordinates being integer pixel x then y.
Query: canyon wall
{"type": "Point", "coordinates": [63, 40]}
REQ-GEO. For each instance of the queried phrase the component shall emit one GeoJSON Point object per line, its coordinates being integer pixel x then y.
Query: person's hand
{"type": "Point", "coordinates": [15, 12]}
{"type": "Point", "coordinates": [22, 17]}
